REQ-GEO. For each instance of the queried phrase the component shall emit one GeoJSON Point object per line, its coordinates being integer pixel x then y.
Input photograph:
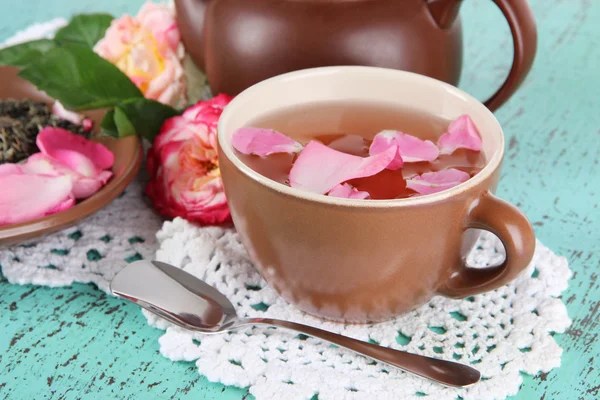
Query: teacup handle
{"type": "Point", "coordinates": [523, 29]}
{"type": "Point", "coordinates": [516, 233]}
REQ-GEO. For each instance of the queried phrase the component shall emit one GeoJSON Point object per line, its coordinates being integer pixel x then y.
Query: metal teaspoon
{"type": "Point", "coordinates": [192, 304]}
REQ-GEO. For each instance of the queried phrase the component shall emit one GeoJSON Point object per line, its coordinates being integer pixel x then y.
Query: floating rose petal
{"type": "Point", "coordinates": [320, 168]}
{"type": "Point", "coordinates": [83, 156]}
{"type": "Point", "coordinates": [33, 196]}
{"type": "Point", "coordinates": [462, 133]}
{"type": "Point", "coordinates": [348, 191]}
{"type": "Point", "coordinates": [433, 182]}
{"type": "Point", "coordinates": [263, 142]}
{"type": "Point", "coordinates": [383, 141]}
{"type": "Point", "coordinates": [410, 148]}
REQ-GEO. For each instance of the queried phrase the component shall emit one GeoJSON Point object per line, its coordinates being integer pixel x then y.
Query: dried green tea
{"type": "Point", "coordinates": [20, 123]}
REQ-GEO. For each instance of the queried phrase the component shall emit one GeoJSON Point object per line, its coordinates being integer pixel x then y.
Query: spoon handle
{"type": "Point", "coordinates": [446, 372]}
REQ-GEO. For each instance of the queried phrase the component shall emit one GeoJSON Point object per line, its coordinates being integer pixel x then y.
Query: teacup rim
{"type": "Point", "coordinates": [226, 148]}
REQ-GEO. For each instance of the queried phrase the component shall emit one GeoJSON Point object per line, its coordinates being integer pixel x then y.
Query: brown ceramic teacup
{"type": "Point", "coordinates": [369, 260]}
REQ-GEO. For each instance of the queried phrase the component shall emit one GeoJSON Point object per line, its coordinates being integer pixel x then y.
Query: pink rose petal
{"type": "Point", "coordinates": [61, 112]}
{"type": "Point", "coordinates": [41, 164]}
{"type": "Point", "coordinates": [11, 169]}
{"type": "Point", "coordinates": [462, 134]}
{"type": "Point", "coordinates": [410, 148]}
{"type": "Point", "coordinates": [32, 196]}
{"type": "Point", "coordinates": [65, 204]}
{"type": "Point", "coordinates": [263, 142]}
{"type": "Point", "coordinates": [77, 152]}
{"type": "Point", "coordinates": [83, 186]}
{"type": "Point", "coordinates": [348, 191]}
{"type": "Point", "coordinates": [161, 22]}
{"type": "Point", "coordinates": [433, 182]}
{"type": "Point", "coordinates": [104, 176]}
{"type": "Point", "coordinates": [320, 168]}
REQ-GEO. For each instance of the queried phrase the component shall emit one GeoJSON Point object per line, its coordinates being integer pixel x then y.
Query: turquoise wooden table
{"type": "Point", "coordinates": [76, 342]}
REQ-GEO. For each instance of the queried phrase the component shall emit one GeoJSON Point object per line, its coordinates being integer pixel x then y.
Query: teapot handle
{"type": "Point", "coordinates": [523, 29]}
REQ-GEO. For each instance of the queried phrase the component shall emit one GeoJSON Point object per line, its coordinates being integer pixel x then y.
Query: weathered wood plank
{"type": "Point", "coordinates": [77, 343]}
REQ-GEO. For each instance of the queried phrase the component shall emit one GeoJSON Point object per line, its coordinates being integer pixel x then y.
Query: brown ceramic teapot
{"type": "Point", "coordinates": [241, 42]}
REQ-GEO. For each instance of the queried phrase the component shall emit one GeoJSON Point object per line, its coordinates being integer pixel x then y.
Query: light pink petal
{"type": "Point", "coordinates": [169, 154]}
{"type": "Point", "coordinates": [104, 176]}
{"type": "Point", "coordinates": [161, 22]}
{"type": "Point", "coordinates": [32, 196]}
{"type": "Point", "coordinates": [263, 142]}
{"type": "Point", "coordinates": [414, 149]}
{"type": "Point", "coordinates": [175, 129]}
{"type": "Point", "coordinates": [138, 80]}
{"type": "Point", "coordinates": [348, 191]}
{"type": "Point", "coordinates": [410, 148]}
{"type": "Point", "coordinates": [383, 141]}
{"type": "Point", "coordinates": [433, 182]}
{"type": "Point", "coordinates": [462, 134]}
{"type": "Point", "coordinates": [41, 164]}
{"type": "Point", "coordinates": [173, 95]}
{"type": "Point", "coordinates": [208, 110]}
{"type": "Point", "coordinates": [83, 185]}
{"type": "Point", "coordinates": [73, 150]}
{"type": "Point", "coordinates": [61, 112]}
{"type": "Point", "coordinates": [171, 75]}
{"type": "Point", "coordinates": [76, 162]}
{"type": "Point", "coordinates": [65, 204]}
{"type": "Point", "coordinates": [116, 40]}
{"type": "Point", "coordinates": [320, 168]}
{"type": "Point", "coordinates": [11, 169]}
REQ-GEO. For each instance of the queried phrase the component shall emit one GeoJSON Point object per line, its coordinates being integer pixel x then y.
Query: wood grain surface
{"type": "Point", "coordinates": [76, 342]}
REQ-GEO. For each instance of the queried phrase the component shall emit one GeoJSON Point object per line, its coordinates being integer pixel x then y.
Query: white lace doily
{"type": "Point", "coordinates": [93, 250]}
{"type": "Point", "coordinates": [43, 30]}
{"type": "Point", "coordinates": [501, 333]}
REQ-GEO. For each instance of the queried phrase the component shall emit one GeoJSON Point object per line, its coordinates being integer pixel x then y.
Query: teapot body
{"type": "Point", "coordinates": [241, 42]}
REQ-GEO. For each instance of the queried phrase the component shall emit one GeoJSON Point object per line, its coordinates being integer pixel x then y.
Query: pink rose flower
{"type": "Point", "coordinates": [148, 50]}
{"type": "Point", "coordinates": [185, 180]}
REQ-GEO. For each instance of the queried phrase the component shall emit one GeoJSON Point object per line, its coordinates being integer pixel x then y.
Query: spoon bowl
{"type": "Point", "coordinates": [192, 304]}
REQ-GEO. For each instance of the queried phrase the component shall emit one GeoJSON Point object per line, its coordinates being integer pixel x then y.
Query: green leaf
{"type": "Point", "coordinates": [80, 79]}
{"type": "Point", "coordinates": [108, 125]}
{"type": "Point", "coordinates": [142, 117]}
{"type": "Point", "coordinates": [146, 116]}
{"type": "Point", "coordinates": [84, 29]}
{"type": "Point", "coordinates": [124, 126]}
{"type": "Point", "coordinates": [23, 54]}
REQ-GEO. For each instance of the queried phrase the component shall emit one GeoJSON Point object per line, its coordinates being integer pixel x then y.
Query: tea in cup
{"type": "Point", "coordinates": [367, 258]}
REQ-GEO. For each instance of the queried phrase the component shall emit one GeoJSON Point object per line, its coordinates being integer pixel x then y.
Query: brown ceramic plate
{"type": "Point", "coordinates": [128, 158]}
